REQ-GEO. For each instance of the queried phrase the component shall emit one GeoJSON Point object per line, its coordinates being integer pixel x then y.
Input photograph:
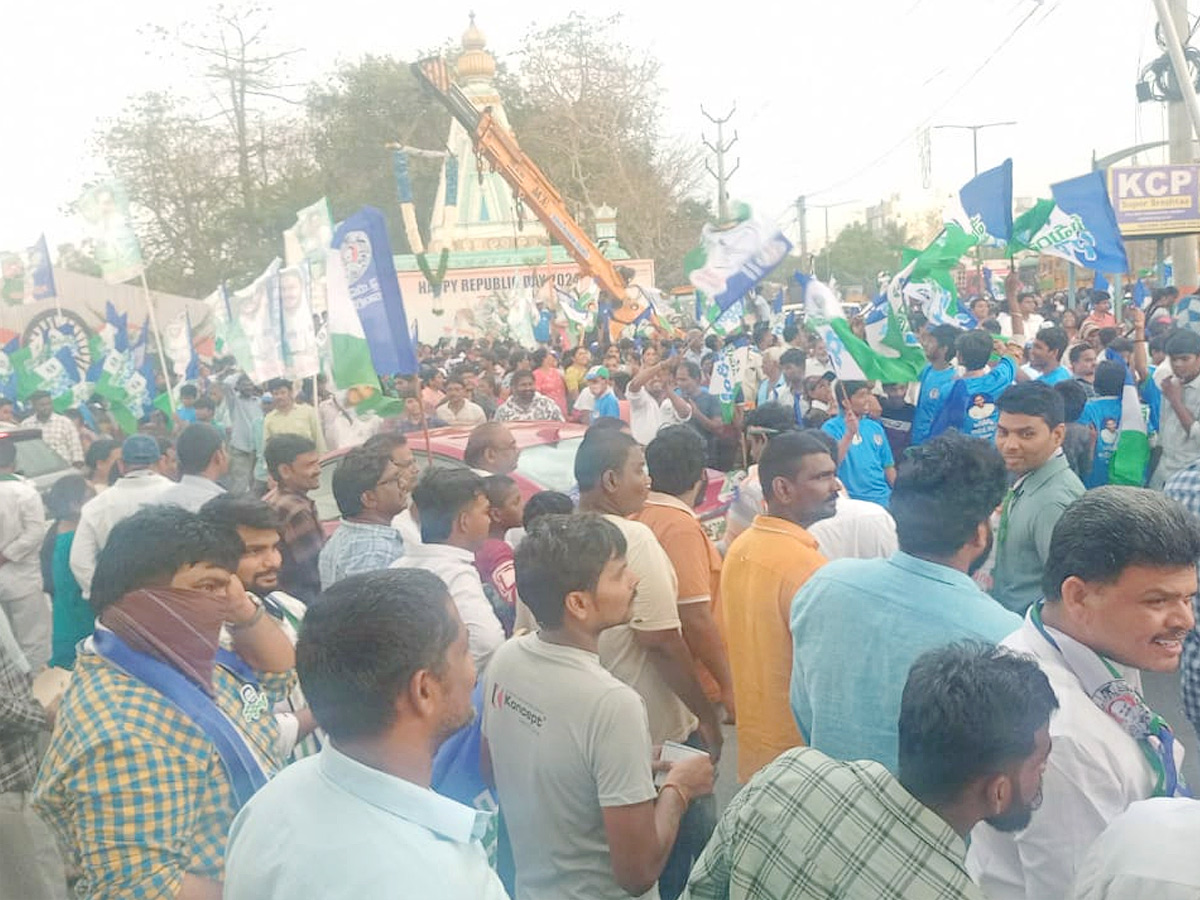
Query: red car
{"type": "Point", "coordinates": [547, 463]}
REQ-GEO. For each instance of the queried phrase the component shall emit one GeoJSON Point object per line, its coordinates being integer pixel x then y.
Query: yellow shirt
{"type": "Point", "coordinates": [763, 569]}
{"type": "Point", "coordinates": [301, 419]}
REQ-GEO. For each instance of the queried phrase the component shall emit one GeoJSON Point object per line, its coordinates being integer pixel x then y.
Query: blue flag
{"type": "Point", "coordinates": [40, 274]}
{"type": "Point", "coordinates": [1140, 294]}
{"type": "Point", "coordinates": [1096, 243]}
{"type": "Point", "coordinates": [120, 324]}
{"type": "Point", "coordinates": [374, 286]}
{"type": "Point", "coordinates": [987, 200]}
{"type": "Point", "coordinates": [1100, 283]}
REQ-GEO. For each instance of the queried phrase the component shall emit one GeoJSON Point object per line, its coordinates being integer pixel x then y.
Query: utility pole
{"type": "Point", "coordinates": [828, 248]}
{"type": "Point", "coordinates": [1182, 114]}
{"type": "Point", "coordinates": [719, 151]}
{"type": "Point", "coordinates": [802, 219]}
{"type": "Point", "coordinates": [975, 129]}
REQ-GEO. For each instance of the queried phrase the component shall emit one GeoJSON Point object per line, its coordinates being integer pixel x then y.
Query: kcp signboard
{"type": "Point", "coordinates": [1153, 201]}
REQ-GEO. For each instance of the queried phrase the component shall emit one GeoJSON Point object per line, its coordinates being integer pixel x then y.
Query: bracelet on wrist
{"type": "Point", "coordinates": [682, 793]}
{"type": "Point", "coordinates": [249, 623]}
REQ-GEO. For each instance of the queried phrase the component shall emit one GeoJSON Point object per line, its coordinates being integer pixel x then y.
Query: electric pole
{"type": "Point", "coordinates": [719, 151]}
{"type": "Point", "coordinates": [1179, 128]}
{"type": "Point", "coordinates": [828, 248]}
{"type": "Point", "coordinates": [802, 219]}
{"type": "Point", "coordinates": [975, 129]}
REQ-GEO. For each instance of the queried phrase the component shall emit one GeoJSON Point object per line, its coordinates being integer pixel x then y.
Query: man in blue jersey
{"type": "Point", "coordinates": [865, 464]}
{"type": "Point", "coordinates": [604, 400]}
{"type": "Point", "coordinates": [1045, 355]}
{"type": "Point", "coordinates": [1103, 415]}
{"type": "Point", "coordinates": [971, 406]}
{"type": "Point", "coordinates": [936, 379]}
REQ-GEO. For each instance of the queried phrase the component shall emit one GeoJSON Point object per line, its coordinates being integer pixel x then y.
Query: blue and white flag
{"type": "Point", "coordinates": [177, 342]}
{"type": "Point", "coordinates": [39, 273]}
{"type": "Point", "coordinates": [362, 241]}
{"type": "Point", "coordinates": [732, 259]}
{"type": "Point", "coordinates": [1140, 294]}
{"type": "Point", "coordinates": [820, 302]}
{"type": "Point", "coordinates": [1082, 227]}
{"type": "Point", "coordinates": [987, 200]}
{"type": "Point", "coordinates": [119, 325]}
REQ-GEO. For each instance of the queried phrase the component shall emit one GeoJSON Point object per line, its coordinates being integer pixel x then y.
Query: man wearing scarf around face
{"type": "Point", "coordinates": [161, 736]}
{"type": "Point", "coordinates": [1118, 585]}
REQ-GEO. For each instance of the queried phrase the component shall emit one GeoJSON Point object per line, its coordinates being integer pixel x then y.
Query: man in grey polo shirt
{"type": "Point", "coordinates": [1029, 436]}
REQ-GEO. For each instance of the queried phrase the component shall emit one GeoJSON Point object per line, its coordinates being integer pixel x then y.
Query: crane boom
{"type": "Point", "coordinates": [529, 184]}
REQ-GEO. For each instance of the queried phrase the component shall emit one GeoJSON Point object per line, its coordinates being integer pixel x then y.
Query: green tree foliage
{"type": "Point", "coordinates": [858, 254]}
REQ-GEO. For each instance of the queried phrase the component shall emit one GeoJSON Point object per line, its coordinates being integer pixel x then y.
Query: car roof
{"type": "Point", "coordinates": [21, 433]}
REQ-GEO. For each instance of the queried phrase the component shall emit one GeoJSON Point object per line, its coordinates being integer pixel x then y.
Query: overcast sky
{"type": "Point", "coordinates": [829, 95]}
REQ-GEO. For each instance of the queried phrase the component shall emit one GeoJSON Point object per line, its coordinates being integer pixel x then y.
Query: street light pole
{"type": "Point", "coordinates": [828, 251]}
{"type": "Point", "coordinates": [975, 129]}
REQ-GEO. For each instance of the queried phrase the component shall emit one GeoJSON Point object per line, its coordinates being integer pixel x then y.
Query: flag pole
{"type": "Point", "coordinates": [158, 341]}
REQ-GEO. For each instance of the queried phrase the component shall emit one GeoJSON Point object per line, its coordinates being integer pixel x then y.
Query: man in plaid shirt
{"type": "Point", "coordinates": [974, 740]}
{"type": "Point", "coordinates": [295, 467]}
{"type": "Point", "coordinates": [1184, 486]}
{"type": "Point", "coordinates": [59, 432]}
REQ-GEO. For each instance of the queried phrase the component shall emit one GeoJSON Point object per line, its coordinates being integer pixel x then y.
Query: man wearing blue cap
{"type": "Point", "coordinates": [138, 486]}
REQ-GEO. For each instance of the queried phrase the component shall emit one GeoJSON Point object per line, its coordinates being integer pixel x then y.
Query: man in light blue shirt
{"type": "Point", "coordinates": [859, 625]}
{"type": "Point", "coordinates": [244, 408]}
{"type": "Point", "coordinates": [937, 378]}
{"type": "Point", "coordinates": [1045, 355]}
{"type": "Point", "coordinates": [604, 404]}
{"type": "Point", "coordinates": [203, 462]}
{"type": "Point", "coordinates": [383, 660]}
{"type": "Point", "coordinates": [865, 464]}
{"type": "Point", "coordinates": [370, 490]}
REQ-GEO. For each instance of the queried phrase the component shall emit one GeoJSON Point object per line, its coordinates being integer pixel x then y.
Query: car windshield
{"type": "Point", "coordinates": [552, 466]}
{"type": "Point", "coordinates": [35, 458]}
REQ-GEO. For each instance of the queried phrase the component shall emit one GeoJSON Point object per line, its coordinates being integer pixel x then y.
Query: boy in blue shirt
{"type": "Point", "coordinates": [865, 463]}
{"type": "Point", "coordinates": [605, 403]}
{"type": "Point", "coordinates": [971, 407]}
{"type": "Point", "coordinates": [1103, 415]}
{"type": "Point", "coordinates": [937, 378]}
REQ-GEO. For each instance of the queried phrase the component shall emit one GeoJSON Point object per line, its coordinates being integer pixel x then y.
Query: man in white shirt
{"type": "Point", "coordinates": [1027, 303]}
{"type": "Point", "coordinates": [138, 486]}
{"type": "Point", "coordinates": [453, 511]}
{"type": "Point", "coordinates": [202, 459]}
{"type": "Point", "coordinates": [22, 530]}
{"type": "Point", "coordinates": [569, 742]}
{"type": "Point", "coordinates": [652, 404]}
{"type": "Point", "coordinates": [1179, 431]}
{"type": "Point", "coordinates": [1147, 853]}
{"type": "Point", "coordinates": [458, 410]}
{"type": "Point", "coordinates": [385, 665]}
{"type": "Point", "coordinates": [1119, 583]}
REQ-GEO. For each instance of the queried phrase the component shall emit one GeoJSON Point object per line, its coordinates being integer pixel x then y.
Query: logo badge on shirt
{"type": "Point", "coordinates": [254, 703]}
{"type": "Point", "coordinates": [878, 440]}
{"type": "Point", "coordinates": [527, 714]}
{"type": "Point", "coordinates": [934, 393]}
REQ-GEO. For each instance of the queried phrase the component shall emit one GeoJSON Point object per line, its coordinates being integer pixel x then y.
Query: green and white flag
{"type": "Point", "coordinates": [105, 211]}
{"type": "Point", "coordinates": [352, 366]}
{"type": "Point", "coordinates": [309, 240]}
{"type": "Point", "coordinates": [930, 283]}
{"type": "Point", "coordinates": [725, 381]}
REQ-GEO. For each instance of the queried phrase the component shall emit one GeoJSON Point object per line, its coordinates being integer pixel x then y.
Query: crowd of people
{"type": "Point", "coordinates": [924, 619]}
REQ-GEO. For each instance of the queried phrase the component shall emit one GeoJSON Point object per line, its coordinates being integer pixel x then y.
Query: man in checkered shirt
{"type": "Point", "coordinates": [974, 728]}
{"type": "Point", "coordinates": [1184, 486]}
{"type": "Point", "coordinates": [59, 432]}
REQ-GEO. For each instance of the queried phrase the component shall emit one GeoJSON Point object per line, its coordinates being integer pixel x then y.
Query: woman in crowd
{"type": "Point", "coordinates": [73, 619]}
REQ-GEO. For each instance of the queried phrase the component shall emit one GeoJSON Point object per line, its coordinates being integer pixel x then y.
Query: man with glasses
{"type": "Point", "coordinates": [370, 490]}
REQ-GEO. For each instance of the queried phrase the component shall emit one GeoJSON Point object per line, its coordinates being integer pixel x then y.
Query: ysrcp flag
{"type": "Point", "coordinates": [1082, 227]}
{"type": "Point", "coordinates": [987, 200]}
{"type": "Point", "coordinates": [300, 350]}
{"type": "Point", "coordinates": [12, 278]}
{"type": "Point", "coordinates": [374, 287]}
{"type": "Point", "coordinates": [734, 258]}
{"type": "Point", "coordinates": [309, 240]}
{"type": "Point", "coordinates": [105, 211]}
{"type": "Point", "coordinates": [255, 330]}
{"type": "Point", "coordinates": [39, 273]}
{"type": "Point", "coordinates": [177, 341]}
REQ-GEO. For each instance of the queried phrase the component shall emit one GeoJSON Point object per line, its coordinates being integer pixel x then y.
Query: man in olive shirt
{"type": "Point", "coordinates": [290, 417]}
{"type": "Point", "coordinates": [1029, 436]}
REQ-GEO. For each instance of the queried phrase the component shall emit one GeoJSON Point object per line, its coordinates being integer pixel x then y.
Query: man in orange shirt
{"type": "Point", "coordinates": [764, 568]}
{"type": "Point", "coordinates": [675, 462]}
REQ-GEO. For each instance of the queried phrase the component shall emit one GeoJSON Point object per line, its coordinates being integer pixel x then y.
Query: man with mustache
{"type": "Point", "coordinates": [859, 624]}
{"type": "Point", "coordinates": [1118, 588]}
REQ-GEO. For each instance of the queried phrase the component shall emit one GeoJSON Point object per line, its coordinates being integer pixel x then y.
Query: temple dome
{"type": "Point", "coordinates": [475, 63]}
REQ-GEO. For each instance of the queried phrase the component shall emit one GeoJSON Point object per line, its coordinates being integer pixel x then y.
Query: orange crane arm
{"type": "Point", "coordinates": [528, 182]}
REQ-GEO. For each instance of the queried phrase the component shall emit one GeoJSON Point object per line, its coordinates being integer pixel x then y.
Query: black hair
{"type": "Point", "coordinates": [1074, 398]}
{"type": "Point", "coordinates": [385, 442]}
{"type": "Point", "coordinates": [363, 641]}
{"type": "Point", "coordinates": [690, 367]}
{"type": "Point", "coordinates": [149, 547]}
{"type": "Point", "coordinates": [188, 391]}
{"type": "Point", "coordinates": [497, 488]}
{"type": "Point", "coordinates": [276, 383]}
{"type": "Point", "coordinates": [517, 376]}
{"type": "Point", "coordinates": [782, 457]}
{"type": "Point", "coordinates": [1155, 530]}
{"type": "Point", "coordinates": [1158, 344]}
{"type": "Point", "coordinates": [772, 416]}
{"type": "Point", "coordinates": [675, 459]}
{"type": "Point", "coordinates": [539, 357]}
{"type": "Point", "coordinates": [8, 452]}
{"type": "Point", "coordinates": [1077, 351]}
{"type": "Point", "coordinates": [66, 497]}
{"type": "Point", "coordinates": [1110, 378]}
{"type": "Point", "coordinates": [944, 489]}
{"type": "Point", "coordinates": [357, 472]}
{"type": "Point", "coordinates": [1183, 342]}
{"type": "Point", "coordinates": [850, 388]}
{"type": "Point", "coordinates": [229, 511]}
{"type": "Point", "coordinates": [790, 332]}
{"type": "Point", "coordinates": [561, 554]}
{"type": "Point", "coordinates": [545, 503]}
{"type": "Point", "coordinates": [440, 496]}
{"type": "Point", "coordinates": [968, 710]}
{"type": "Point", "coordinates": [205, 402]}
{"type": "Point", "coordinates": [607, 424]}
{"type": "Point", "coordinates": [793, 357]}
{"type": "Point", "coordinates": [600, 452]}
{"type": "Point", "coordinates": [480, 440]}
{"type": "Point", "coordinates": [1055, 338]}
{"type": "Point", "coordinates": [1121, 345]}
{"type": "Point", "coordinates": [457, 379]}
{"type": "Point", "coordinates": [198, 443]}
{"type": "Point", "coordinates": [991, 326]}
{"type": "Point", "coordinates": [38, 395]}
{"type": "Point", "coordinates": [1033, 398]}
{"type": "Point", "coordinates": [947, 337]}
{"type": "Point", "coordinates": [1107, 335]}
{"type": "Point", "coordinates": [282, 450]}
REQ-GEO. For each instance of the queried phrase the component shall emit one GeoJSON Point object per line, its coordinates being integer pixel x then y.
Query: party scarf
{"type": "Point", "coordinates": [1122, 702]}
